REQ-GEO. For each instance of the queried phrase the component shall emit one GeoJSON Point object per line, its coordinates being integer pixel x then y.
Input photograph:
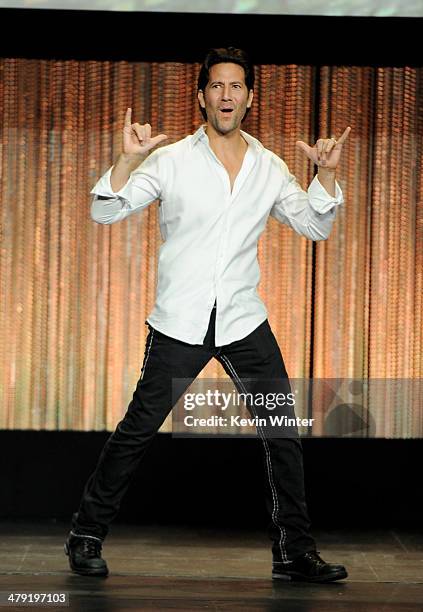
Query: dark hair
{"type": "Point", "coordinates": [228, 55]}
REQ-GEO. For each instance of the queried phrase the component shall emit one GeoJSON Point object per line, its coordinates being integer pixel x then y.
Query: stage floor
{"type": "Point", "coordinates": [190, 569]}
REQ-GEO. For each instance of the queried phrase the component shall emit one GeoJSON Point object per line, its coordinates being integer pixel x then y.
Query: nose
{"type": "Point", "coordinates": [226, 93]}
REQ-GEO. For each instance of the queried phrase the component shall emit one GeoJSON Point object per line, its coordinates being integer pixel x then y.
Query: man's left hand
{"type": "Point", "coordinates": [327, 151]}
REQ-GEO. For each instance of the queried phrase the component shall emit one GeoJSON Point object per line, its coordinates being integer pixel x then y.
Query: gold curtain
{"type": "Point", "coordinates": [74, 294]}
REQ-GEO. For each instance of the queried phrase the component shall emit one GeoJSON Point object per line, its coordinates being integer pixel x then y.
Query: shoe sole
{"type": "Point", "coordinates": [297, 577]}
{"type": "Point", "coordinates": [84, 572]}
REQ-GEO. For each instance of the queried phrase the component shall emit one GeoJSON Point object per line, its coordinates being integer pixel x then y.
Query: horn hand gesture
{"type": "Point", "coordinates": [326, 152]}
{"type": "Point", "coordinates": [137, 138]}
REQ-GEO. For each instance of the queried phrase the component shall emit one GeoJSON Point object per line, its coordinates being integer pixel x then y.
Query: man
{"type": "Point", "coordinates": [216, 188]}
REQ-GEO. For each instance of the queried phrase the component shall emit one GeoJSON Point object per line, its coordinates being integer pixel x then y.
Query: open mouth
{"type": "Point", "coordinates": [227, 111]}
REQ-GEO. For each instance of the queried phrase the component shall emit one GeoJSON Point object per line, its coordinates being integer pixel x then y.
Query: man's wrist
{"type": "Point", "coordinates": [326, 177]}
{"type": "Point", "coordinates": [329, 172]}
{"type": "Point", "coordinates": [131, 159]}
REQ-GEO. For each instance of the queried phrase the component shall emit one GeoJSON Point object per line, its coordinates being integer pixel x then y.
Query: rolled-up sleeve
{"type": "Point", "coordinates": [141, 189]}
{"type": "Point", "coordinates": [310, 214]}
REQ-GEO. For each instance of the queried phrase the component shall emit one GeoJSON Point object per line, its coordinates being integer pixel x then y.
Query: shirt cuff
{"type": "Point", "coordinates": [103, 188]}
{"type": "Point", "coordinates": [321, 201]}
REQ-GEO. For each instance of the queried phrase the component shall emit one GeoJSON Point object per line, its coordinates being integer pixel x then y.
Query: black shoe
{"type": "Point", "coordinates": [84, 553]}
{"type": "Point", "coordinates": [309, 567]}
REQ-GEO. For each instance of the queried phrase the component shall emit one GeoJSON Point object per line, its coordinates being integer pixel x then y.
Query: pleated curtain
{"type": "Point", "coordinates": [74, 295]}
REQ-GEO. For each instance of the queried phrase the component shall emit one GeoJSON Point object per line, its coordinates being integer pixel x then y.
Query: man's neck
{"type": "Point", "coordinates": [231, 144]}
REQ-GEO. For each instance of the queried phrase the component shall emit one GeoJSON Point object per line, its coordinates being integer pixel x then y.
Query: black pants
{"type": "Point", "coordinates": [257, 356]}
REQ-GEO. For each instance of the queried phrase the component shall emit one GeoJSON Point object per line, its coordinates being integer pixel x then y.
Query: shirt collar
{"type": "Point", "coordinates": [200, 134]}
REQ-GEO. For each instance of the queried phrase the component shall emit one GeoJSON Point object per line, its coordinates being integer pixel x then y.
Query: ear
{"type": "Point", "coordinates": [200, 97]}
{"type": "Point", "coordinates": [250, 98]}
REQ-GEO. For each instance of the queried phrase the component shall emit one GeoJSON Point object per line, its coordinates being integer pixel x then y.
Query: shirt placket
{"type": "Point", "coordinates": [229, 198]}
{"type": "Point", "coordinates": [222, 240]}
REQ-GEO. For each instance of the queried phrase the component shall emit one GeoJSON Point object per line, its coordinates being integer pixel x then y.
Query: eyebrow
{"type": "Point", "coordinates": [221, 82]}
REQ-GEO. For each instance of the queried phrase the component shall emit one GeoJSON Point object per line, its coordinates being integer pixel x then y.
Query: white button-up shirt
{"type": "Point", "coordinates": [210, 234]}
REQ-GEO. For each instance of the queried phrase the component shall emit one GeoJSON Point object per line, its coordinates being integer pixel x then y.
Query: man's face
{"type": "Point", "coordinates": [226, 97]}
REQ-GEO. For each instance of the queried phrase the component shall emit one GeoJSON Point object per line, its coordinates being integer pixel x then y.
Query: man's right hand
{"type": "Point", "coordinates": [137, 139]}
{"type": "Point", "coordinates": [137, 143]}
